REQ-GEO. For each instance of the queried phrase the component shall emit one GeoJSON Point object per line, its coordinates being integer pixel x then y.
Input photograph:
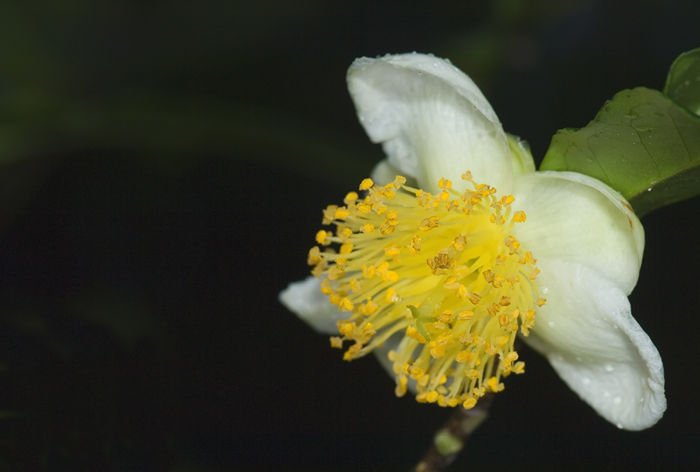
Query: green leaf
{"type": "Point", "coordinates": [683, 81]}
{"type": "Point", "coordinates": [641, 143]}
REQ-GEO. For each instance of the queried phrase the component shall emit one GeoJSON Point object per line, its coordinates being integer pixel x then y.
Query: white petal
{"type": "Point", "coordinates": [305, 299]}
{"type": "Point", "coordinates": [521, 156]}
{"type": "Point", "coordinates": [576, 218]}
{"type": "Point", "coordinates": [587, 332]}
{"type": "Point", "coordinates": [431, 118]}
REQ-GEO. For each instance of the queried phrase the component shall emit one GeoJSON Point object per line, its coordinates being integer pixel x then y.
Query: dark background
{"type": "Point", "coordinates": [163, 165]}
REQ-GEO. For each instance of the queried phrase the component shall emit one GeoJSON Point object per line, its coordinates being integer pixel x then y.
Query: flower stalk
{"type": "Point", "coordinates": [450, 440]}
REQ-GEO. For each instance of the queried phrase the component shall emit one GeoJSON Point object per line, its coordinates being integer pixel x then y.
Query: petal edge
{"type": "Point", "coordinates": [431, 119]}
{"type": "Point", "coordinates": [587, 332]}
{"type": "Point", "coordinates": [305, 299]}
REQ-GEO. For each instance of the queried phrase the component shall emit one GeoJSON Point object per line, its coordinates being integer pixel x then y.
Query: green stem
{"type": "Point", "coordinates": [451, 438]}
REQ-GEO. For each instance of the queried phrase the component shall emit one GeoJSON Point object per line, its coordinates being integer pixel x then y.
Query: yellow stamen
{"type": "Point", "coordinates": [443, 275]}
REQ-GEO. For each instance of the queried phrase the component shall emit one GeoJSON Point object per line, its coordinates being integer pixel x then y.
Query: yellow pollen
{"type": "Point", "coordinates": [345, 305]}
{"type": "Point", "coordinates": [469, 403]}
{"type": "Point", "coordinates": [414, 245]}
{"type": "Point", "coordinates": [429, 223]}
{"type": "Point", "coordinates": [321, 237]}
{"type": "Point", "coordinates": [351, 197]}
{"type": "Point", "coordinates": [364, 208]}
{"type": "Point", "coordinates": [398, 181]}
{"type": "Point", "coordinates": [366, 184]}
{"type": "Point", "coordinates": [494, 385]}
{"type": "Point", "coordinates": [466, 315]}
{"type": "Point", "coordinates": [519, 217]}
{"type": "Point", "coordinates": [369, 308]}
{"type": "Point", "coordinates": [442, 273]}
{"type": "Point", "coordinates": [459, 242]}
{"type": "Point", "coordinates": [387, 228]}
{"type": "Point", "coordinates": [341, 213]}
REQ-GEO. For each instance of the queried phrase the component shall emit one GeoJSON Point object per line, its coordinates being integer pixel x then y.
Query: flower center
{"type": "Point", "coordinates": [443, 271]}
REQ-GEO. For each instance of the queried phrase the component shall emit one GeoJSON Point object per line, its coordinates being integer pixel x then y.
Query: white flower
{"type": "Point", "coordinates": [442, 281]}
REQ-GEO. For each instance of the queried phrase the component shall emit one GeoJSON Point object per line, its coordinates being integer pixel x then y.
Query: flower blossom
{"type": "Point", "coordinates": [456, 245]}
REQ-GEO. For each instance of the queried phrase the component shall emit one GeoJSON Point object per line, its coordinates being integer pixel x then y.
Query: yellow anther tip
{"type": "Point", "coordinates": [469, 403]}
{"type": "Point", "coordinates": [366, 184]}
{"type": "Point", "coordinates": [351, 197]}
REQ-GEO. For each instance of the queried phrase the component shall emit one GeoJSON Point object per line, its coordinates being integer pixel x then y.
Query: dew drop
{"type": "Point", "coordinates": [609, 368]}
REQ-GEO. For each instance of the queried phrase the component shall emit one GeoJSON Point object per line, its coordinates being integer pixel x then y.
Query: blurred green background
{"type": "Point", "coordinates": [163, 165]}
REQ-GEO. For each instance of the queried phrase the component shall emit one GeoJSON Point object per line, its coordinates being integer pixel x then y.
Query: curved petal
{"type": "Point", "coordinates": [577, 218]}
{"type": "Point", "coordinates": [587, 332]}
{"type": "Point", "coordinates": [432, 120]}
{"type": "Point", "coordinates": [521, 156]}
{"type": "Point", "coordinates": [305, 299]}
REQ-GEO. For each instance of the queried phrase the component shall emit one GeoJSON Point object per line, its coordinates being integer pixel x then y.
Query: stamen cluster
{"type": "Point", "coordinates": [443, 272]}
